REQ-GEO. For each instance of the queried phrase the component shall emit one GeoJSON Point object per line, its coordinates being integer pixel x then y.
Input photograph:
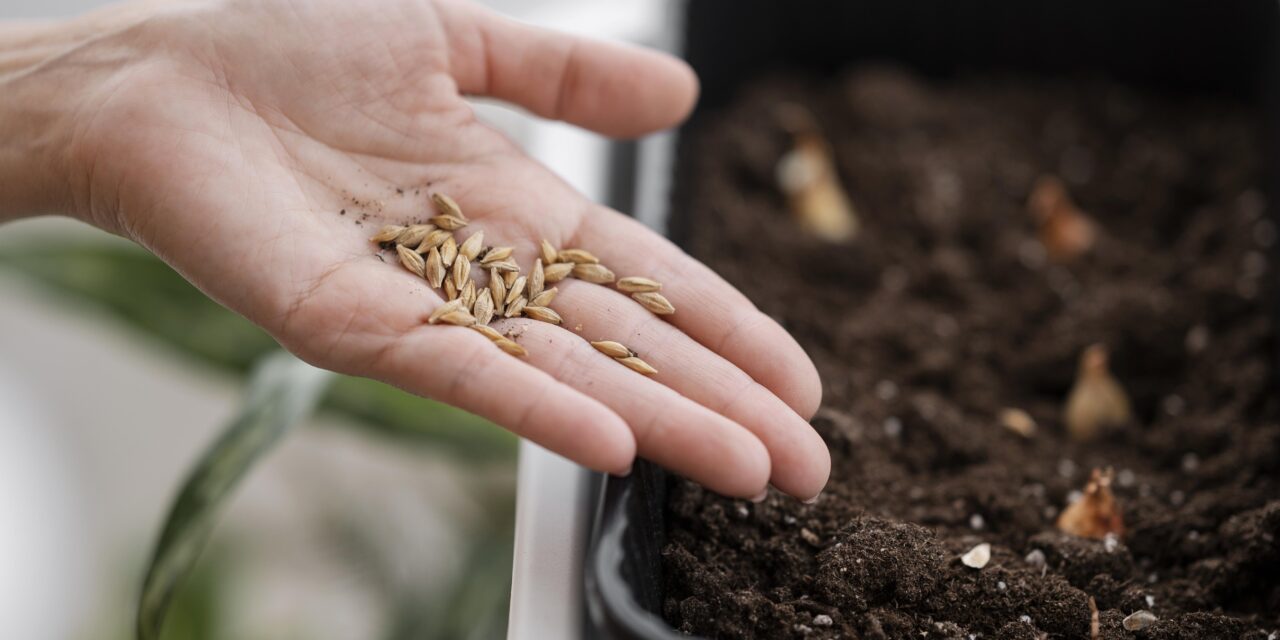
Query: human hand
{"type": "Point", "coordinates": [227, 137]}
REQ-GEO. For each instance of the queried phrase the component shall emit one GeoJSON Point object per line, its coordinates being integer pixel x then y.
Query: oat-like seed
{"type": "Point", "coordinates": [556, 272]}
{"type": "Point", "coordinates": [509, 278]}
{"type": "Point", "coordinates": [411, 260]}
{"type": "Point", "coordinates": [496, 254]}
{"type": "Point", "coordinates": [483, 308]}
{"type": "Point", "coordinates": [449, 251]}
{"type": "Point", "coordinates": [458, 317]}
{"type": "Point", "coordinates": [468, 295]}
{"type": "Point", "coordinates": [515, 308]}
{"type": "Point", "coordinates": [461, 272]}
{"type": "Point", "coordinates": [435, 268]}
{"type": "Point", "coordinates": [655, 302]}
{"type": "Point", "coordinates": [637, 284]}
{"type": "Point", "coordinates": [594, 273]}
{"type": "Point", "coordinates": [487, 331]}
{"type": "Point", "coordinates": [638, 365]}
{"type": "Point", "coordinates": [497, 290]}
{"type": "Point", "coordinates": [613, 349]}
{"type": "Point", "coordinates": [505, 266]}
{"type": "Point", "coordinates": [450, 291]}
{"type": "Point", "coordinates": [576, 256]}
{"type": "Point", "coordinates": [443, 309]}
{"type": "Point", "coordinates": [387, 233]}
{"type": "Point", "coordinates": [545, 314]}
{"type": "Point", "coordinates": [537, 279]}
{"type": "Point", "coordinates": [446, 206]}
{"type": "Point", "coordinates": [450, 223]}
{"type": "Point", "coordinates": [413, 234]}
{"type": "Point", "coordinates": [544, 299]}
{"type": "Point", "coordinates": [434, 239]}
{"type": "Point", "coordinates": [549, 253]}
{"type": "Point", "coordinates": [471, 246]}
{"type": "Point", "coordinates": [512, 347]}
{"type": "Point", "coordinates": [517, 288]}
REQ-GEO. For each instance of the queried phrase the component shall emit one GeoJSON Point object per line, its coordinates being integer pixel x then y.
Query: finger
{"type": "Point", "coordinates": [708, 309]}
{"type": "Point", "coordinates": [669, 429]}
{"type": "Point", "coordinates": [800, 462]}
{"type": "Point", "coordinates": [612, 88]}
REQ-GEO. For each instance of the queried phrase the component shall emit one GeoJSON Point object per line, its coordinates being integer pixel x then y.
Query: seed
{"type": "Point", "coordinates": [446, 206]}
{"type": "Point", "coordinates": [434, 239]}
{"type": "Point", "coordinates": [505, 266]}
{"type": "Point", "coordinates": [977, 557]}
{"type": "Point", "coordinates": [443, 309]}
{"type": "Point", "coordinates": [576, 256]}
{"type": "Point", "coordinates": [468, 296]}
{"type": "Point", "coordinates": [537, 279]}
{"type": "Point", "coordinates": [448, 251]}
{"type": "Point", "coordinates": [613, 349]}
{"type": "Point", "coordinates": [497, 290]}
{"type": "Point", "coordinates": [544, 299]}
{"type": "Point", "coordinates": [517, 288]}
{"type": "Point", "coordinates": [412, 235]}
{"type": "Point", "coordinates": [591, 272]}
{"type": "Point", "coordinates": [411, 260]}
{"type": "Point", "coordinates": [387, 234]}
{"type": "Point", "coordinates": [495, 254]}
{"type": "Point", "coordinates": [487, 331]}
{"type": "Point", "coordinates": [451, 223]}
{"type": "Point", "coordinates": [461, 272]}
{"type": "Point", "coordinates": [544, 314]}
{"type": "Point", "coordinates": [1138, 620]}
{"type": "Point", "coordinates": [636, 284]}
{"type": "Point", "coordinates": [638, 365]}
{"type": "Point", "coordinates": [516, 307]}
{"type": "Point", "coordinates": [555, 272]}
{"type": "Point", "coordinates": [483, 308]}
{"type": "Point", "coordinates": [435, 268]}
{"type": "Point", "coordinates": [450, 290]}
{"type": "Point", "coordinates": [549, 253]}
{"type": "Point", "coordinates": [511, 347]}
{"type": "Point", "coordinates": [1018, 421]}
{"type": "Point", "coordinates": [459, 317]}
{"type": "Point", "coordinates": [655, 302]}
{"type": "Point", "coordinates": [471, 246]}
{"type": "Point", "coordinates": [509, 277]}
{"type": "Point", "coordinates": [1097, 401]}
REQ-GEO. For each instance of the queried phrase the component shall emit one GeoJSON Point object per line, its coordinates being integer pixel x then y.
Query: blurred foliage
{"type": "Point", "coordinates": [147, 295]}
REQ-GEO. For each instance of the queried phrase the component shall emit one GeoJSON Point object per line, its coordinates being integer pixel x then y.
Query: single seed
{"type": "Point", "coordinates": [594, 273]}
{"type": "Point", "coordinates": [537, 279]}
{"type": "Point", "coordinates": [450, 223]}
{"type": "Point", "coordinates": [1138, 620]}
{"type": "Point", "coordinates": [636, 284]}
{"type": "Point", "coordinates": [517, 288]}
{"type": "Point", "coordinates": [495, 254]}
{"type": "Point", "coordinates": [435, 270]}
{"type": "Point", "coordinates": [412, 235]}
{"type": "Point", "coordinates": [483, 308]}
{"type": "Point", "coordinates": [411, 260]}
{"type": "Point", "coordinates": [449, 251]}
{"type": "Point", "coordinates": [509, 278]}
{"type": "Point", "coordinates": [487, 331]}
{"type": "Point", "coordinates": [655, 302]}
{"type": "Point", "coordinates": [637, 365]}
{"type": "Point", "coordinates": [544, 299]}
{"type": "Point", "coordinates": [387, 234]}
{"type": "Point", "coordinates": [613, 349]}
{"type": "Point", "coordinates": [434, 239]}
{"type": "Point", "coordinates": [471, 246]}
{"type": "Point", "coordinates": [511, 347]}
{"type": "Point", "coordinates": [977, 557]}
{"type": "Point", "coordinates": [515, 308]}
{"type": "Point", "coordinates": [450, 290]}
{"type": "Point", "coordinates": [505, 266]}
{"type": "Point", "coordinates": [459, 317]}
{"type": "Point", "coordinates": [549, 253]}
{"type": "Point", "coordinates": [446, 206]}
{"type": "Point", "coordinates": [497, 290]}
{"type": "Point", "coordinates": [1017, 421]}
{"type": "Point", "coordinates": [555, 272]}
{"type": "Point", "coordinates": [544, 314]}
{"type": "Point", "coordinates": [461, 272]}
{"type": "Point", "coordinates": [576, 256]}
{"type": "Point", "coordinates": [443, 309]}
{"type": "Point", "coordinates": [468, 296]}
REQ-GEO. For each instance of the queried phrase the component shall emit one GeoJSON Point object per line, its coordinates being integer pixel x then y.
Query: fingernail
{"type": "Point", "coordinates": [758, 498]}
{"type": "Point", "coordinates": [812, 500]}
{"type": "Point", "coordinates": [624, 472]}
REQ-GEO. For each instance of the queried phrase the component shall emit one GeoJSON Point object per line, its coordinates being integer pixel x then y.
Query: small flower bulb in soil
{"type": "Point", "coordinates": [1097, 401]}
{"type": "Point", "coordinates": [1096, 514]}
{"type": "Point", "coordinates": [807, 175]}
{"type": "Point", "coordinates": [1065, 231]}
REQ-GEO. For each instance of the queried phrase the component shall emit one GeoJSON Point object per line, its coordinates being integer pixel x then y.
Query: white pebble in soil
{"type": "Point", "coordinates": [892, 427]}
{"type": "Point", "coordinates": [1024, 618]}
{"type": "Point", "coordinates": [1001, 585]}
{"type": "Point", "coordinates": [976, 522]}
{"type": "Point", "coordinates": [1110, 543]}
{"type": "Point", "coordinates": [822, 620]}
{"type": "Point", "coordinates": [886, 390]}
{"type": "Point", "coordinates": [1126, 478]}
{"type": "Point", "coordinates": [1151, 601]}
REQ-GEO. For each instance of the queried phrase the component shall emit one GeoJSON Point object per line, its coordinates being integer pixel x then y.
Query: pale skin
{"type": "Point", "coordinates": [227, 136]}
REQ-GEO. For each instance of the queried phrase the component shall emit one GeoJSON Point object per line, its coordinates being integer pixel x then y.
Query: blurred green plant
{"type": "Point", "coordinates": [147, 295]}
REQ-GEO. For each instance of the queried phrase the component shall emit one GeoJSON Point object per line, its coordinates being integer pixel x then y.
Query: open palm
{"type": "Point", "coordinates": [257, 145]}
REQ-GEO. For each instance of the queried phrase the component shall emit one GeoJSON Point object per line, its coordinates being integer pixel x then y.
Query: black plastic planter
{"type": "Point", "coordinates": [1176, 47]}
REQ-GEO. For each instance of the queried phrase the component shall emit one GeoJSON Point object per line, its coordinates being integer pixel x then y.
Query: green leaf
{"type": "Point", "coordinates": [282, 391]}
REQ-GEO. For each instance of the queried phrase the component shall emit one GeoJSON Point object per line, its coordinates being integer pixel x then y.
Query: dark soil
{"type": "Point", "coordinates": [943, 311]}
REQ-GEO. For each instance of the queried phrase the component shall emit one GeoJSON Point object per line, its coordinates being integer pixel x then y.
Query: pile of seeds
{"type": "Point", "coordinates": [430, 251]}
